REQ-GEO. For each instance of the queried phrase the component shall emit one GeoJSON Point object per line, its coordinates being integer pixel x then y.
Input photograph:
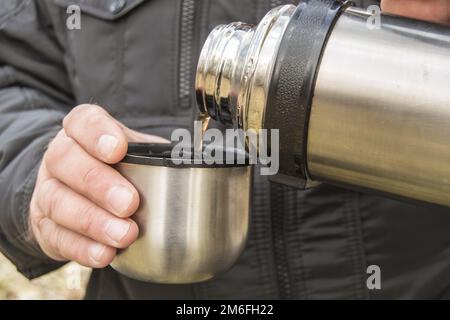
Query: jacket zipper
{"type": "Point", "coordinates": [278, 198]}
{"type": "Point", "coordinates": [187, 26]}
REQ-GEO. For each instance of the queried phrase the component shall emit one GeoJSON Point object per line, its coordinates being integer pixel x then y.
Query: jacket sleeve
{"type": "Point", "coordinates": [35, 94]}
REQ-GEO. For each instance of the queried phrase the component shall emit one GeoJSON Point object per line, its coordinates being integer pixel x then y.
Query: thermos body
{"type": "Point", "coordinates": [380, 116]}
{"type": "Point", "coordinates": [370, 111]}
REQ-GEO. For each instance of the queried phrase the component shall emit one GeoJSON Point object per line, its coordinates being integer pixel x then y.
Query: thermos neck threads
{"type": "Point", "coordinates": [235, 67]}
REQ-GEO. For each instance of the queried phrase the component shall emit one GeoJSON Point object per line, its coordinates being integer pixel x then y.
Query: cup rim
{"type": "Point", "coordinates": [160, 154]}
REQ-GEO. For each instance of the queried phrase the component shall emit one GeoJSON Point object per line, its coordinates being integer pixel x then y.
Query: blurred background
{"type": "Point", "coordinates": [69, 282]}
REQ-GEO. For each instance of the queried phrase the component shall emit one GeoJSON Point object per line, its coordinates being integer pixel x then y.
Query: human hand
{"type": "Point", "coordinates": [432, 10]}
{"type": "Point", "coordinates": [81, 206]}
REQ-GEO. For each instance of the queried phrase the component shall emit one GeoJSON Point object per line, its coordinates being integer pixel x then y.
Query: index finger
{"type": "Point", "coordinates": [96, 132]}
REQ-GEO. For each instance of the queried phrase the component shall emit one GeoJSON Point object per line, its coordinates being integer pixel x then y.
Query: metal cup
{"type": "Point", "coordinates": [193, 218]}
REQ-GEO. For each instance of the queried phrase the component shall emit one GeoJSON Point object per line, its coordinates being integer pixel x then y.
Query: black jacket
{"type": "Point", "coordinates": [137, 59]}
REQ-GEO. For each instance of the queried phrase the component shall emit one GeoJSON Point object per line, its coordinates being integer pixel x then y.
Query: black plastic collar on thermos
{"type": "Point", "coordinates": [293, 80]}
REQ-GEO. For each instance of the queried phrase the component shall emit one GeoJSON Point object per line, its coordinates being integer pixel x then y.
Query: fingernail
{"type": "Point", "coordinates": [120, 198]}
{"type": "Point", "coordinates": [96, 251]}
{"type": "Point", "coordinates": [117, 229]}
{"type": "Point", "coordinates": [107, 144]}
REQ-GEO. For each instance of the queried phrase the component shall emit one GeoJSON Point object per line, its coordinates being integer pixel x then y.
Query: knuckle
{"type": "Point", "coordinates": [49, 186]}
{"type": "Point", "coordinates": [74, 113]}
{"type": "Point", "coordinates": [48, 239]}
{"type": "Point", "coordinates": [81, 110]}
{"type": "Point", "coordinates": [91, 176]}
{"type": "Point", "coordinates": [91, 110]}
{"type": "Point", "coordinates": [49, 195]}
{"type": "Point", "coordinates": [86, 219]}
{"type": "Point", "coordinates": [48, 248]}
{"type": "Point", "coordinates": [56, 242]}
{"type": "Point", "coordinates": [59, 147]}
{"type": "Point", "coordinates": [34, 218]}
{"type": "Point", "coordinates": [67, 247]}
{"type": "Point", "coordinates": [96, 120]}
{"type": "Point", "coordinates": [79, 253]}
{"type": "Point", "coordinates": [86, 108]}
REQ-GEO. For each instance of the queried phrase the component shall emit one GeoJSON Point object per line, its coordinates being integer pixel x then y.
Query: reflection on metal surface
{"type": "Point", "coordinates": [193, 222]}
{"type": "Point", "coordinates": [203, 118]}
{"type": "Point", "coordinates": [235, 68]}
{"type": "Point", "coordinates": [380, 117]}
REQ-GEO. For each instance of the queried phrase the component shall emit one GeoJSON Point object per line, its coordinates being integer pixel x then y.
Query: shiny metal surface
{"type": "Point", "coordinates": [380, 117]}
{"type": "Point", "coordinates": [235, 68]}
{"type": "Point", "coordinates": [193, 222]}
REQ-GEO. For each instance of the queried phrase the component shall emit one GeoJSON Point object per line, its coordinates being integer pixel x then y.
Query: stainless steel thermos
{"type": "Point", "coordinates": [357, 104]}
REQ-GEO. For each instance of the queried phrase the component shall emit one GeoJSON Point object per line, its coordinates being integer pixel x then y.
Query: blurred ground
{"type": "Point", "coordinates": [68, 282]}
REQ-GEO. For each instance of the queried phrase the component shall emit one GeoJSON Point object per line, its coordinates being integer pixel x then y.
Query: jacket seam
{"type": "Point", "coordinates": [122, 95]}
{"type": "Point", "coordinates": [354, 238]}
{"type": "Point", "coordinates": [24, 235]}
{"type": "Point", "coordinates": [25, 199]}
{"type": "Point", "coordinates": [173, 67]}
{"type": "Point", "coordinates": [360, 247]}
